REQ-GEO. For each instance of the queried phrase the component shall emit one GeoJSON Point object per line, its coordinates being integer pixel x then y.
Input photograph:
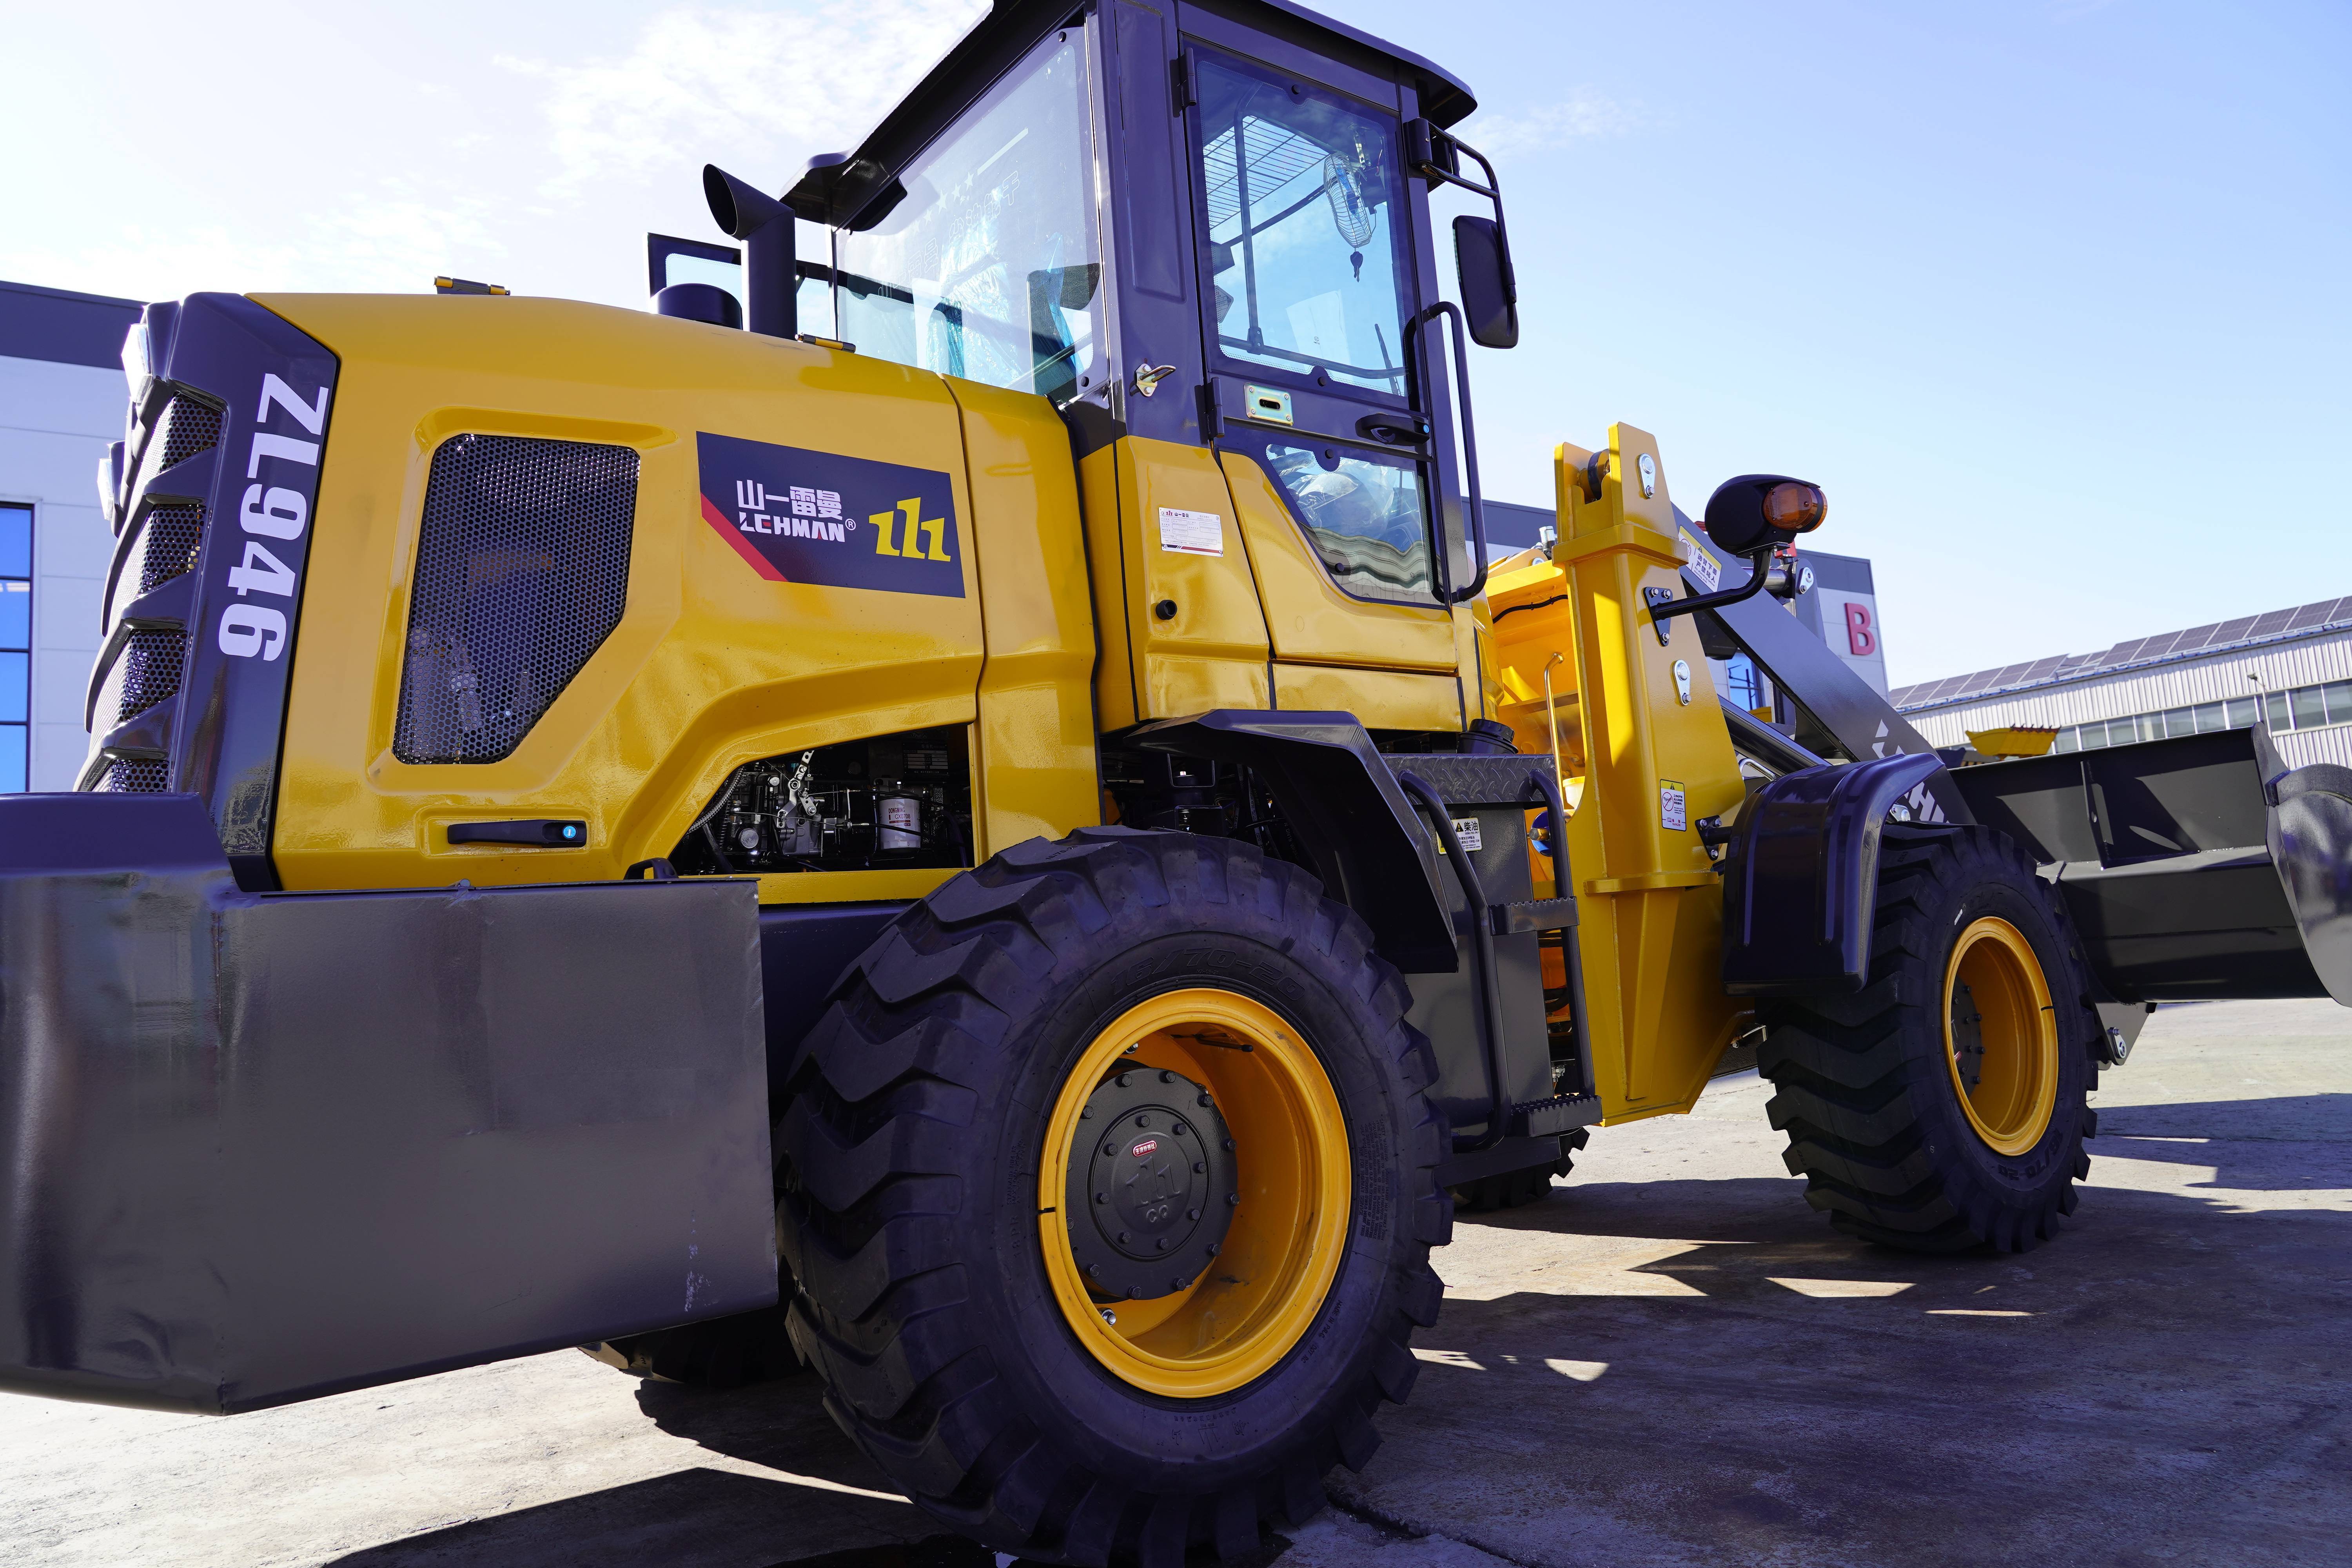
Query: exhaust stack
{"type": "Point", "coordinates": [771, 272]}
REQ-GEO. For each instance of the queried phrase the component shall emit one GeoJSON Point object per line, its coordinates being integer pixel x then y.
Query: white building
{"type": "Point", "coordinates": [61, 401]}
{"type": "Point", "coordinates": [2291, 669]}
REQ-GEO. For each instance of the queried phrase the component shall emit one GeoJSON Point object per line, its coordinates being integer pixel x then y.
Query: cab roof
{"type": "Point", "coordinates": [838, 190]}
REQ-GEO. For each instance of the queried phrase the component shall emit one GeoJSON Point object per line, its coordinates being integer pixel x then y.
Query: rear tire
{"type": "Point", "coordinates": [931, 1291]}
{"type": "Point", "coordinates": [1511, 1189]}
{"type": "Point", "coordinates": [1944, 1106]}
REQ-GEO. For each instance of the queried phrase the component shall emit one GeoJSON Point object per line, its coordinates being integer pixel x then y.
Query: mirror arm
{"type": "Point", "coordinates": [1492, 190]}
{"type": "Point", "coordinates": [1759, 562]}
{"type": "Point", "coordinates": [1469, 441]}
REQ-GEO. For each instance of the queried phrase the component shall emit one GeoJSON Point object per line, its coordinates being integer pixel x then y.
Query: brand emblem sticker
{"type": "Point", "coordinates": [1144, 1148]}
{"type": "Point", "coordinates": [798, 516]}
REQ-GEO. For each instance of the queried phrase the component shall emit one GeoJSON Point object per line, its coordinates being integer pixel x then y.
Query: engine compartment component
{"type": "Point", "coordinates": [889, 802]}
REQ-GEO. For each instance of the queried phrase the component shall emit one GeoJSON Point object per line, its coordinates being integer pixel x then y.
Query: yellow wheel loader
{"type": "Point", "coordinates": [984, 819]}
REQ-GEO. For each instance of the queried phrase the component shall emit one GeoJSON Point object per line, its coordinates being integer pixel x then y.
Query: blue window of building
{"type": "Point", "coordinates": [1745, 685]}
{"type": "Point", "coordinates": [16, 644]}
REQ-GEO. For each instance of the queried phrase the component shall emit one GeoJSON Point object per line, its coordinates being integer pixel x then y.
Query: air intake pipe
{"type": "Point", "coordinates": [771, 257]}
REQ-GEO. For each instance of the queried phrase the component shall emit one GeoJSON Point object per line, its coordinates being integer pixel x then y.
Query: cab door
{"type": "Point", "coordinates": [1307, 241]}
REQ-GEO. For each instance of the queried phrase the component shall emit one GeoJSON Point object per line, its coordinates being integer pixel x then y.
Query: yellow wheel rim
{"type": "Point", "coordinates": [2000, 1036]}
{"type": "Point", "coordinates": [1281, 1250]}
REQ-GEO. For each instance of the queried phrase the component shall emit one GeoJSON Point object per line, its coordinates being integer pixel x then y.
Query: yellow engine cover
{"type": "Point", "coordinates": [716, 660]}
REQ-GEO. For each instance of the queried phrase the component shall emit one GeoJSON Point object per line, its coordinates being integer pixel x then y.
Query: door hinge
{"type": "Point", "coordinates": [1180, 76]}
{"type": "Point", "coordinates": [1213, 423]}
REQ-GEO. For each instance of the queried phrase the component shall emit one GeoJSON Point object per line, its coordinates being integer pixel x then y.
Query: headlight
{"type": "Point", "coordinates": [138, 364]}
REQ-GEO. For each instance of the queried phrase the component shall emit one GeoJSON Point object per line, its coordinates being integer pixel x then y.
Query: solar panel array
{"type": "Point", "coordinates": [2162, 647]}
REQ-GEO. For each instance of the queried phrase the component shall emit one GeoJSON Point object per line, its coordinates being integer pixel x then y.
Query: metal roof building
{"type": "Point", "coordinates": [61, 401]}
{"type": "Point", "coordinates": [2290, 668]}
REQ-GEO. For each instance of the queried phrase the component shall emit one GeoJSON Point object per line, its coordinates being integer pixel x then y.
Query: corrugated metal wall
{"type": "Point", "coordinates": [2171, 686]}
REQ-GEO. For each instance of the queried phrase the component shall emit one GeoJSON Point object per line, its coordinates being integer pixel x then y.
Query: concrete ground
{"type": "Point", "coordinates": [1671, 1363]}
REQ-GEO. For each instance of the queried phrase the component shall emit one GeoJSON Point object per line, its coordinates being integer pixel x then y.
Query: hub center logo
{"type": "Point", "coordinates": [818, 518]}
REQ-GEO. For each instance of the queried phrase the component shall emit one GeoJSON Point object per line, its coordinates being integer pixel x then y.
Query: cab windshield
{"type": "Point", "coordinates": [990, 267]}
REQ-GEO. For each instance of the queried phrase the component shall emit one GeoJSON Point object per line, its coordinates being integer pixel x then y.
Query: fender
{"type": "Point", "coordinates": [1345, 804]}
{"type": "Point", "coordinates": [1800, 883]}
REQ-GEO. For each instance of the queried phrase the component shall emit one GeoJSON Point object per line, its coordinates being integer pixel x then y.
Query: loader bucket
{"type": "Point", "coordinates": [2196, 868]}
{"type": "Point", "coordinates": [260, 1147]}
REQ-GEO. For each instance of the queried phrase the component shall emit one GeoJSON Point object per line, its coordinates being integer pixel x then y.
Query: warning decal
{"type": "Point", "coordinates": [797, 516]}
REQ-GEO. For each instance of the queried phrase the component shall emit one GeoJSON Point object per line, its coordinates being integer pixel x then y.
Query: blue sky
{"type": "Point", "coordinates": [2052, 297]}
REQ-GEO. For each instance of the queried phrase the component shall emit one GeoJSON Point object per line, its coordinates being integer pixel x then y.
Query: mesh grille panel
{"type": "Point", "coordinates": [522, 570]}
{"type": "Point", "coordinates": [133, 775]}
{"type": "Point", "coordinates": [168, 545]}
{"type": "Point", "coordinates": [146, 672]}
{"type": "Point", "coordinates": [187, 427]}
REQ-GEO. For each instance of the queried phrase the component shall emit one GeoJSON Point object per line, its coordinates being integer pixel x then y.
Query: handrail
{"type": "Point", "coordinates": [1453, 315]}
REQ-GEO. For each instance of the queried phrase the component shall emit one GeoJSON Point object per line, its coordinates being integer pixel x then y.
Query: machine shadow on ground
{"type": "Point", "coordinates": [1731, 1381]}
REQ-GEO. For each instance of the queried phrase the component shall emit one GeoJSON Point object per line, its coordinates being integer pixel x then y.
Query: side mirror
{"type": "Point", "coordinates": [1490, 295]}
{"type": "Point", "coordinates": [1757, 512]}
{"type": "Point", "coordinates": [1482, 255]}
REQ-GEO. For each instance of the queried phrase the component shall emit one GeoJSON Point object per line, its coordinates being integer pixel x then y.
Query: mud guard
{"type": "Point", "coordinates": [262, 1147]}
{"type": "Point", "coordinates": [1339, 797]}
{"type": "Point", "coordinates": [1800, 882]}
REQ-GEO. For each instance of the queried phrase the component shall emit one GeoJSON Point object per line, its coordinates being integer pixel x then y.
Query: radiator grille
{"type": "Point", "coordinates": [168, 545]}
{"type": "Point", "coordinates": [146, 672]}
{"type": "Point", "coordinates": [133, 775]}
{"type": "Point", "coordinates": [186, 429]}
{"type": "Point", "coordinates": [522, 570]}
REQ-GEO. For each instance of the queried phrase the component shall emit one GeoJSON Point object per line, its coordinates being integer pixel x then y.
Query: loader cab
{"type": "Point", "coordinates": [1198, 230]}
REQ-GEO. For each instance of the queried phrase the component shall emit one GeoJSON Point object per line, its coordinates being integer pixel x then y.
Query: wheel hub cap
{"type": "Point", "coordinates": [1151, 1185]}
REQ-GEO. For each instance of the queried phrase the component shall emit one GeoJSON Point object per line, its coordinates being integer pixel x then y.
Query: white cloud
{"type": "Point", "coordinates": [1582, 113]}
{"type": "Point", "coordinates": [807, 80]}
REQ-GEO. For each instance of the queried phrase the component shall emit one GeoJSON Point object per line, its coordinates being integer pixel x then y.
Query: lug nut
{"type": "Point", "coordinates": [1205, 1100]}
{"type": "Point", "coordinates": [1094, 1271]}
{"type": "Point", "coordinates": [1199, 1165]}
{"type": "Point", "coordinates": [1085, 1112]}
{"type": "Point", "coordinates": [1192, 1213]}
{"type": "Point", "coordinates": [1102, 1197]}
{"type": "Point", "coordinates": [1162, 1244]}
{"type": "Point", "coordinates": [1123, 1079]}
{"type": "Point", "coordinates": [1229, 1145]}
{"type": "Point", "coordinates": [1167, 1076]}
{"type": "Point", "coordinates": [1179, 1129]}
{"type": "Point", "coordinates": [1142, 1120]}
{"type": "Point", "coordinates": [1180, 1282]}
{"type": "Point", "coordinates": [1136, 1294]}
{"type": "Point", "coordinates": [1122, 1236]}
{"type": "Point", "coordinates": [1231, 1198]}
{"type": "Point", "coordinates": [1215, 1248]}
{"type": "Point", "coordinates": [1111, 1148]}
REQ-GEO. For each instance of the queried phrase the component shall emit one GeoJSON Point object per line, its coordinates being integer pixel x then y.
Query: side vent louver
{"type": "Point", "coordinates": [186, 429]}
{"type": "Point", "coordinates": [134, 775]}
{"type": "Point", "coordinates": [522, 571]}
{"type": "Point", "coordinates": [168, 545]}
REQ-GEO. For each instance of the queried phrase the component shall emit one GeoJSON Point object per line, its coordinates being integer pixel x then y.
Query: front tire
{"type": "Point", "coordinates": [1944, 1105]}
{"type": "Point", "coordinates": [934, 1110]}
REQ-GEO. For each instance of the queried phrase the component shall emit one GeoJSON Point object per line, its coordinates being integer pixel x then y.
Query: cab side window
{"type": "Point", "coordinates": [990, 267]}
{"type": "Point", "coordinates": [1362, 513]}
